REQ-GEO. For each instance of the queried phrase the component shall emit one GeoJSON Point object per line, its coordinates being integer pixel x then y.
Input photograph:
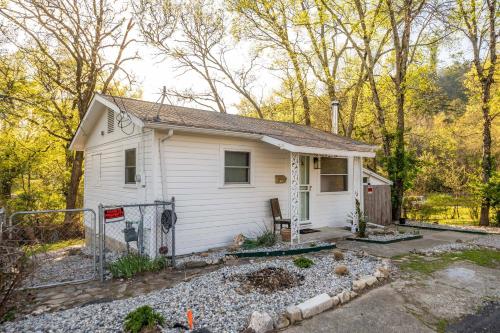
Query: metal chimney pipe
{"type": "Point", "coordinates": [335, 117]}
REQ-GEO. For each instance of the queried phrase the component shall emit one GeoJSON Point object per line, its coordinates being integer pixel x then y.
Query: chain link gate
{"type": "Point", "coordinates": [60, 245]}
{"type": "Point", "coordinates": [141, 229]}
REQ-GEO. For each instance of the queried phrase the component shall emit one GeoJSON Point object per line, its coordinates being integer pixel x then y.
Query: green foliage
{"type": "Point", "coordinates": [361, 220]}
{"type": "Point", "coordinates": [267, 238]}
{"type": "Point", "coordinates": [133, 264]}
{"type": "Point", "coordinates": [443, 208]}
{"type": "Point", "coordinates": [303, 262]}
{"type": "Point", "coordinates": [9, 315]}
{"type": "Point", "coordinates": [142, 317]}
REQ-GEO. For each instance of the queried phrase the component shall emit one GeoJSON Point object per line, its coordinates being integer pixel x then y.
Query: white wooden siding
{"type": "Point", "coordinates": [210, 215]}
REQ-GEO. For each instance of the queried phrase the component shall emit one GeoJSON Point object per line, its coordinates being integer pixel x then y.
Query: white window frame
{"type": "Point", "coordinates": [124, 166]}
{"type": "Point", "coordinates": [222, 158]}
{"type": "Point", "coordinates": [336, 174]}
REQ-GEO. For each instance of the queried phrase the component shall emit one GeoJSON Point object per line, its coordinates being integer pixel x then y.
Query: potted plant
{"type": "Point", "coordinates": [286, 234]}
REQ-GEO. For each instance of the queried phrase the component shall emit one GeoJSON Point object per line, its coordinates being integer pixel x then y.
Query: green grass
{"type": "Point", "coordinates": [142, 317]}
{"type": "Point", "coordinates": [441, 326]}
{"type": "Point", "coordinates": [485, 257]}
{"type": "Point", "coordinates": [133, 264]}
{"type": "Point", "coordinates": [303, 262]}
{"type": "Point", "coordinates": [31, 250]}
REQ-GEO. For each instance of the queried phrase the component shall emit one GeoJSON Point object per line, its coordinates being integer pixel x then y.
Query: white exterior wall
{"type": "Point", "coordinates": [209, 214]}
{"type": "Point", "coordinates": [105, 183]}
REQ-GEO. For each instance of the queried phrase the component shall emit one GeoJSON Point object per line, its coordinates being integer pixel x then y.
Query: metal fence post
{"type": "Point", "coordinates": [173, 230]}
{"type": "Point", "coordinates": [101, 243]}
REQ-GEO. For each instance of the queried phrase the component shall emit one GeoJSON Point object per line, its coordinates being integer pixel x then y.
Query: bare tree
{"type": "Point", "coordinates": [376, 24]}
{"type": "Point", "coordinates": [196, 35]}
{"type": "Point", "coordinates": [66, 43]}
{"type": "Point", "coordinates": [271, 24]}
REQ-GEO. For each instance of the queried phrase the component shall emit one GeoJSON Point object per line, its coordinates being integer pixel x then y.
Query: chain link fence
{"type": "Point", "coordinates": [136, 229]}
{"type": "Point", "coordinates": [59, 246]}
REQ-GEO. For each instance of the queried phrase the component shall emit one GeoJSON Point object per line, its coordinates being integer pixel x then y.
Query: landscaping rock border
{"type": "Point", "coordinates": [320, 303]}
{"type": "Point", "coordinates": [386, 241]}
{"type": "Point", "coordinates": [441, 227]}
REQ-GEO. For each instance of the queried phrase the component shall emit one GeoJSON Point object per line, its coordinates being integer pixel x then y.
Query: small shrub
{"type": "Point", "coordinates": [338, 255]}
{"type": "Point", "coordinates": [267, 238]}
{"type": "Point", "coordinates": [303, 262]}
{"type": "Point", "coordinates": [133, 264]}
{"type": "Point", "coordinates": [341, 270]}
{"type": "Point", "coordinates": [312, 244]}
{"type": "Point", "coordinates": [15, 266]}
{"type": "Point", "coordinates": [141, 318]}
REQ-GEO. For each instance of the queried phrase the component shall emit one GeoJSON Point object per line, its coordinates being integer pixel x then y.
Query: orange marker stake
{"type": "Point", "coordinates": [190, 319]}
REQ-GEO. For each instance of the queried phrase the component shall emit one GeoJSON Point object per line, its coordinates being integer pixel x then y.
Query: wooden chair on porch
{"type": "Point", "coordinates": [277, 217]}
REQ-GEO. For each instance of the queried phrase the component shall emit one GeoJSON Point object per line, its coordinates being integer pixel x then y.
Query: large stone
{"type": "Point", "coordinates": [336, 300]}
{"type": "Point", "coordinates": [358, 285]}
{"type": "Point", "coordinates": [370, 280]}
{"type": "Point", "coordinates": [338, 255]}
{"type": "Point", "coordinates": [281, 322]}
{"type": "Point", "coordinates": [195, 264]}
{"type": "Point", "coordinates": [315, 305]}
{"type": "Point", "coordinates": [238, 240]}
{"type": "Point", "coordinates": [293, 314]}
{"type": "Point", "coordinates": [344, 296]}
{"type": "Point", "coordinates": [341, 270]}
{"type": "Point", "coordinates": [381, 273]}
{"type": "Point", "coordinates": [261, 322]}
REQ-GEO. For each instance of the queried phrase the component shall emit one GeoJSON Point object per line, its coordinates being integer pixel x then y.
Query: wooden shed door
{"type": "Point", "coordinates": [378, 204]}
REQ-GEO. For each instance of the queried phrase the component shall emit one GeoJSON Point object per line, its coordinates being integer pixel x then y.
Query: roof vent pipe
{"type": "Point", "coordinates": [335, 117]}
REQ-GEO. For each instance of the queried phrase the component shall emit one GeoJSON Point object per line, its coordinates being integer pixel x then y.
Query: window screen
{"type": "Point", "coordinates": [236, 167]}
{"type": "Point", "coordinates": [334, 174]}
{"type": "Point", "coordinates": [130, 166]}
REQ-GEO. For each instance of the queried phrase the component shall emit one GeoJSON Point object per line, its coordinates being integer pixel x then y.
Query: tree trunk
{"type": "Point", "coordinates": [73, 184]}
{"type": "Point", "coordinates": [486, 163]}
{"type": "Point", "coordinates": [399, 168]}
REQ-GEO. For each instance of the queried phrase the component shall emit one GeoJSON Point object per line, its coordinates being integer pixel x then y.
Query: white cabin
{"type": "Point", "coordinates": [222, 169]}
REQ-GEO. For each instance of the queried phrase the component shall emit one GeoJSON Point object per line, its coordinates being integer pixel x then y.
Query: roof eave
{"type": "Point", "coordinates": [79, 139]}
{"type": "Point", "coordinates": [316, 150]}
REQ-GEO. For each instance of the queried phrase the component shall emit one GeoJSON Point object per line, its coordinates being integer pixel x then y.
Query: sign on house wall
{"type": "Point", "coordinates": [114, 215]}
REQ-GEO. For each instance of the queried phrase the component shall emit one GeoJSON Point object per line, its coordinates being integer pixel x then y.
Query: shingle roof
{"type": "Point", "coordinates": [295, 134]}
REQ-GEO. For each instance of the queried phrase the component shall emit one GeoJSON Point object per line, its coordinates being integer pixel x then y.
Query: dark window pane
{"type": "Point", "coordinates": [237, 175]}
{"type": "Point", "coordinates": [333, 183]}
{"type": "Point", "coordinates": [333, 165]}
{"type": "Point", "coordinates": [130, 157]}
{"type": "Point", "coordinates": [130, 175]}
{"type": "Point", "coordinates": [237, 158]}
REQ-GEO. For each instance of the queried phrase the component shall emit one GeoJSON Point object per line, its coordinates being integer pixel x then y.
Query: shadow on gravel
{"type": "Point", "coordinates": [486, 320]}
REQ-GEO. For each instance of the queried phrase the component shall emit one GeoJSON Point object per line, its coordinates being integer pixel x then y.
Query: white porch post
{"type": "Point", "coordinates": [294, 197]}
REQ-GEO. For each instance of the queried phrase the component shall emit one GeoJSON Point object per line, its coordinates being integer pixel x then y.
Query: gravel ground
{"type": "Point", "coordinates": [492, 241]}
{"type": "Point", "coordinates": [68, 264]}
{"type": "Point", "coordinates": [389, 237]}
{"type": "Point", "coordinates": [215, 299]}
{"type": "Point", "coordinates": [492, 230]}
{"type": "Point", "coordinates": [214, 257]}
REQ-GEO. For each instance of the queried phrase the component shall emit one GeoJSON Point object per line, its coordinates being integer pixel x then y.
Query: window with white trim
{"type": "Point", "coordinates": [334, 175]}
{"type": "Point", "coordinates": [236, 167]}
{"type": "Point", "coordinates": [130, 166]}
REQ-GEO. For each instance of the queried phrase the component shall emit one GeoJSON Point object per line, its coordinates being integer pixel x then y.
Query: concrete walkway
{"type": "Point", "coordinates": [415, 302]}
{"type": "Point", "coordinates": [431, 238]}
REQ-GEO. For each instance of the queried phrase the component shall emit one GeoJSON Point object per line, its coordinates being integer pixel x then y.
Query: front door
{"type": "Point", "coordinates": [304, 189]}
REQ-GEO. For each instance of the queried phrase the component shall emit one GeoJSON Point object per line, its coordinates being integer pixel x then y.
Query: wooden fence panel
{"type": "Point", "coordinates": [378, 204]}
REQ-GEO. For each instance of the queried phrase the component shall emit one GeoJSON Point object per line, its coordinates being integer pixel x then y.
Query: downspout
{"type": "Point", "coordinates": [163, 172]}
